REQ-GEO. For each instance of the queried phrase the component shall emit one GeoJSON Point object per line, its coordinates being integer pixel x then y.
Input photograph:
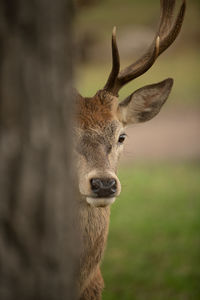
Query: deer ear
{"type": "Point", "coordinates": [144, 103]}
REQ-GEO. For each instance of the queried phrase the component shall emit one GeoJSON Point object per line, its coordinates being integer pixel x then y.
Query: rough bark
{"type": "Point", "coordinates": [38, 244]}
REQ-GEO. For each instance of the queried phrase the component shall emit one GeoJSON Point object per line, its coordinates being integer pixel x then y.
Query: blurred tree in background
{"type": "Point", "coordinates": [38, 249]}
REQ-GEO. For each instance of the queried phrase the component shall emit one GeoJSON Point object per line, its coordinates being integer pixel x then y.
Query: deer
{"type": "Point", "coordinates": [100, 133]}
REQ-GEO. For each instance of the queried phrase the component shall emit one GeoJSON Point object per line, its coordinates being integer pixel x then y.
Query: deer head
{"type": "Point", "coordinates": [102, 119]}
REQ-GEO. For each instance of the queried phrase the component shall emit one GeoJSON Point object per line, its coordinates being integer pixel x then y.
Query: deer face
{"type": "Point", "coordinates": [99, 142]}
{"type": "Point", "coordinates": [101, 120]}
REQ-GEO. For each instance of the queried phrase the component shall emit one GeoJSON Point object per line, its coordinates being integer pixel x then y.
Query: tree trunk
{"type": "Point", "coordinates": [38, 244]}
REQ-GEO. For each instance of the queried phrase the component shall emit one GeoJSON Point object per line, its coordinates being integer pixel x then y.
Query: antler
{"type": "Point", "coordinates": [115, 63]}
{"type": "Point", "coordinates": [167, 33]}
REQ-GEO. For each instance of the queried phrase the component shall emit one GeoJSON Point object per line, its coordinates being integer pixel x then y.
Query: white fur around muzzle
{"type": "Point", "coordinates": [100, 202]}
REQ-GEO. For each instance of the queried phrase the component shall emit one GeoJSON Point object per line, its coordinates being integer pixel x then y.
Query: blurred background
{"type": "Point", "coordinates": [153, 249]}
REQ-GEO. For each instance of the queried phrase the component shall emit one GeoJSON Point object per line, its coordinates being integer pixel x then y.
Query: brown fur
{"type": "Point", "coordinates": [94, 230]}
{"type": "Point", "coordinates": [93, 113]}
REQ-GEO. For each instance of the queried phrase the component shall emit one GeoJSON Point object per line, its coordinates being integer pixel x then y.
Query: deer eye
{"type": "Point", "coordinates": [121, 138]}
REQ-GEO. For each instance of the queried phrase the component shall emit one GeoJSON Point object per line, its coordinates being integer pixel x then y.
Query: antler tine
{"type": "Point", "coordinates": [115, 63]}
{"type": "Point", "coordinates": [167, 33]}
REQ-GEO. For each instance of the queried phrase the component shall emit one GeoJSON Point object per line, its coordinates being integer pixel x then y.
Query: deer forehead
{"type": "Point", "coordinates": [105, 135]}
{"type": "Point", "coordinates": [97, 112]}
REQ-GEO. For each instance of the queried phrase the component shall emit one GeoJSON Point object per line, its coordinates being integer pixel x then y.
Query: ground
{"type": "Point", "coordinates": [172, 135]}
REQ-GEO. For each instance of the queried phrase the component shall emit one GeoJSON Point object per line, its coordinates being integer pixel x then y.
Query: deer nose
{"type": "Point", "coordinates": [103, 187]}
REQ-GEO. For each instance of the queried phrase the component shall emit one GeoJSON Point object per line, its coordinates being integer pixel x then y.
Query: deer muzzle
{"type": "Point", "coordinates": [103, 190]}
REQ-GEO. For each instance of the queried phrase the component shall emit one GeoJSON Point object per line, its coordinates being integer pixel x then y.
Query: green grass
{"type": "Point", "coordinates": [153, 250]}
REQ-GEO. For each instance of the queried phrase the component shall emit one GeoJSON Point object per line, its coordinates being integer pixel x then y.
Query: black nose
{"type": "Point", "coordinates": [103, 187]}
